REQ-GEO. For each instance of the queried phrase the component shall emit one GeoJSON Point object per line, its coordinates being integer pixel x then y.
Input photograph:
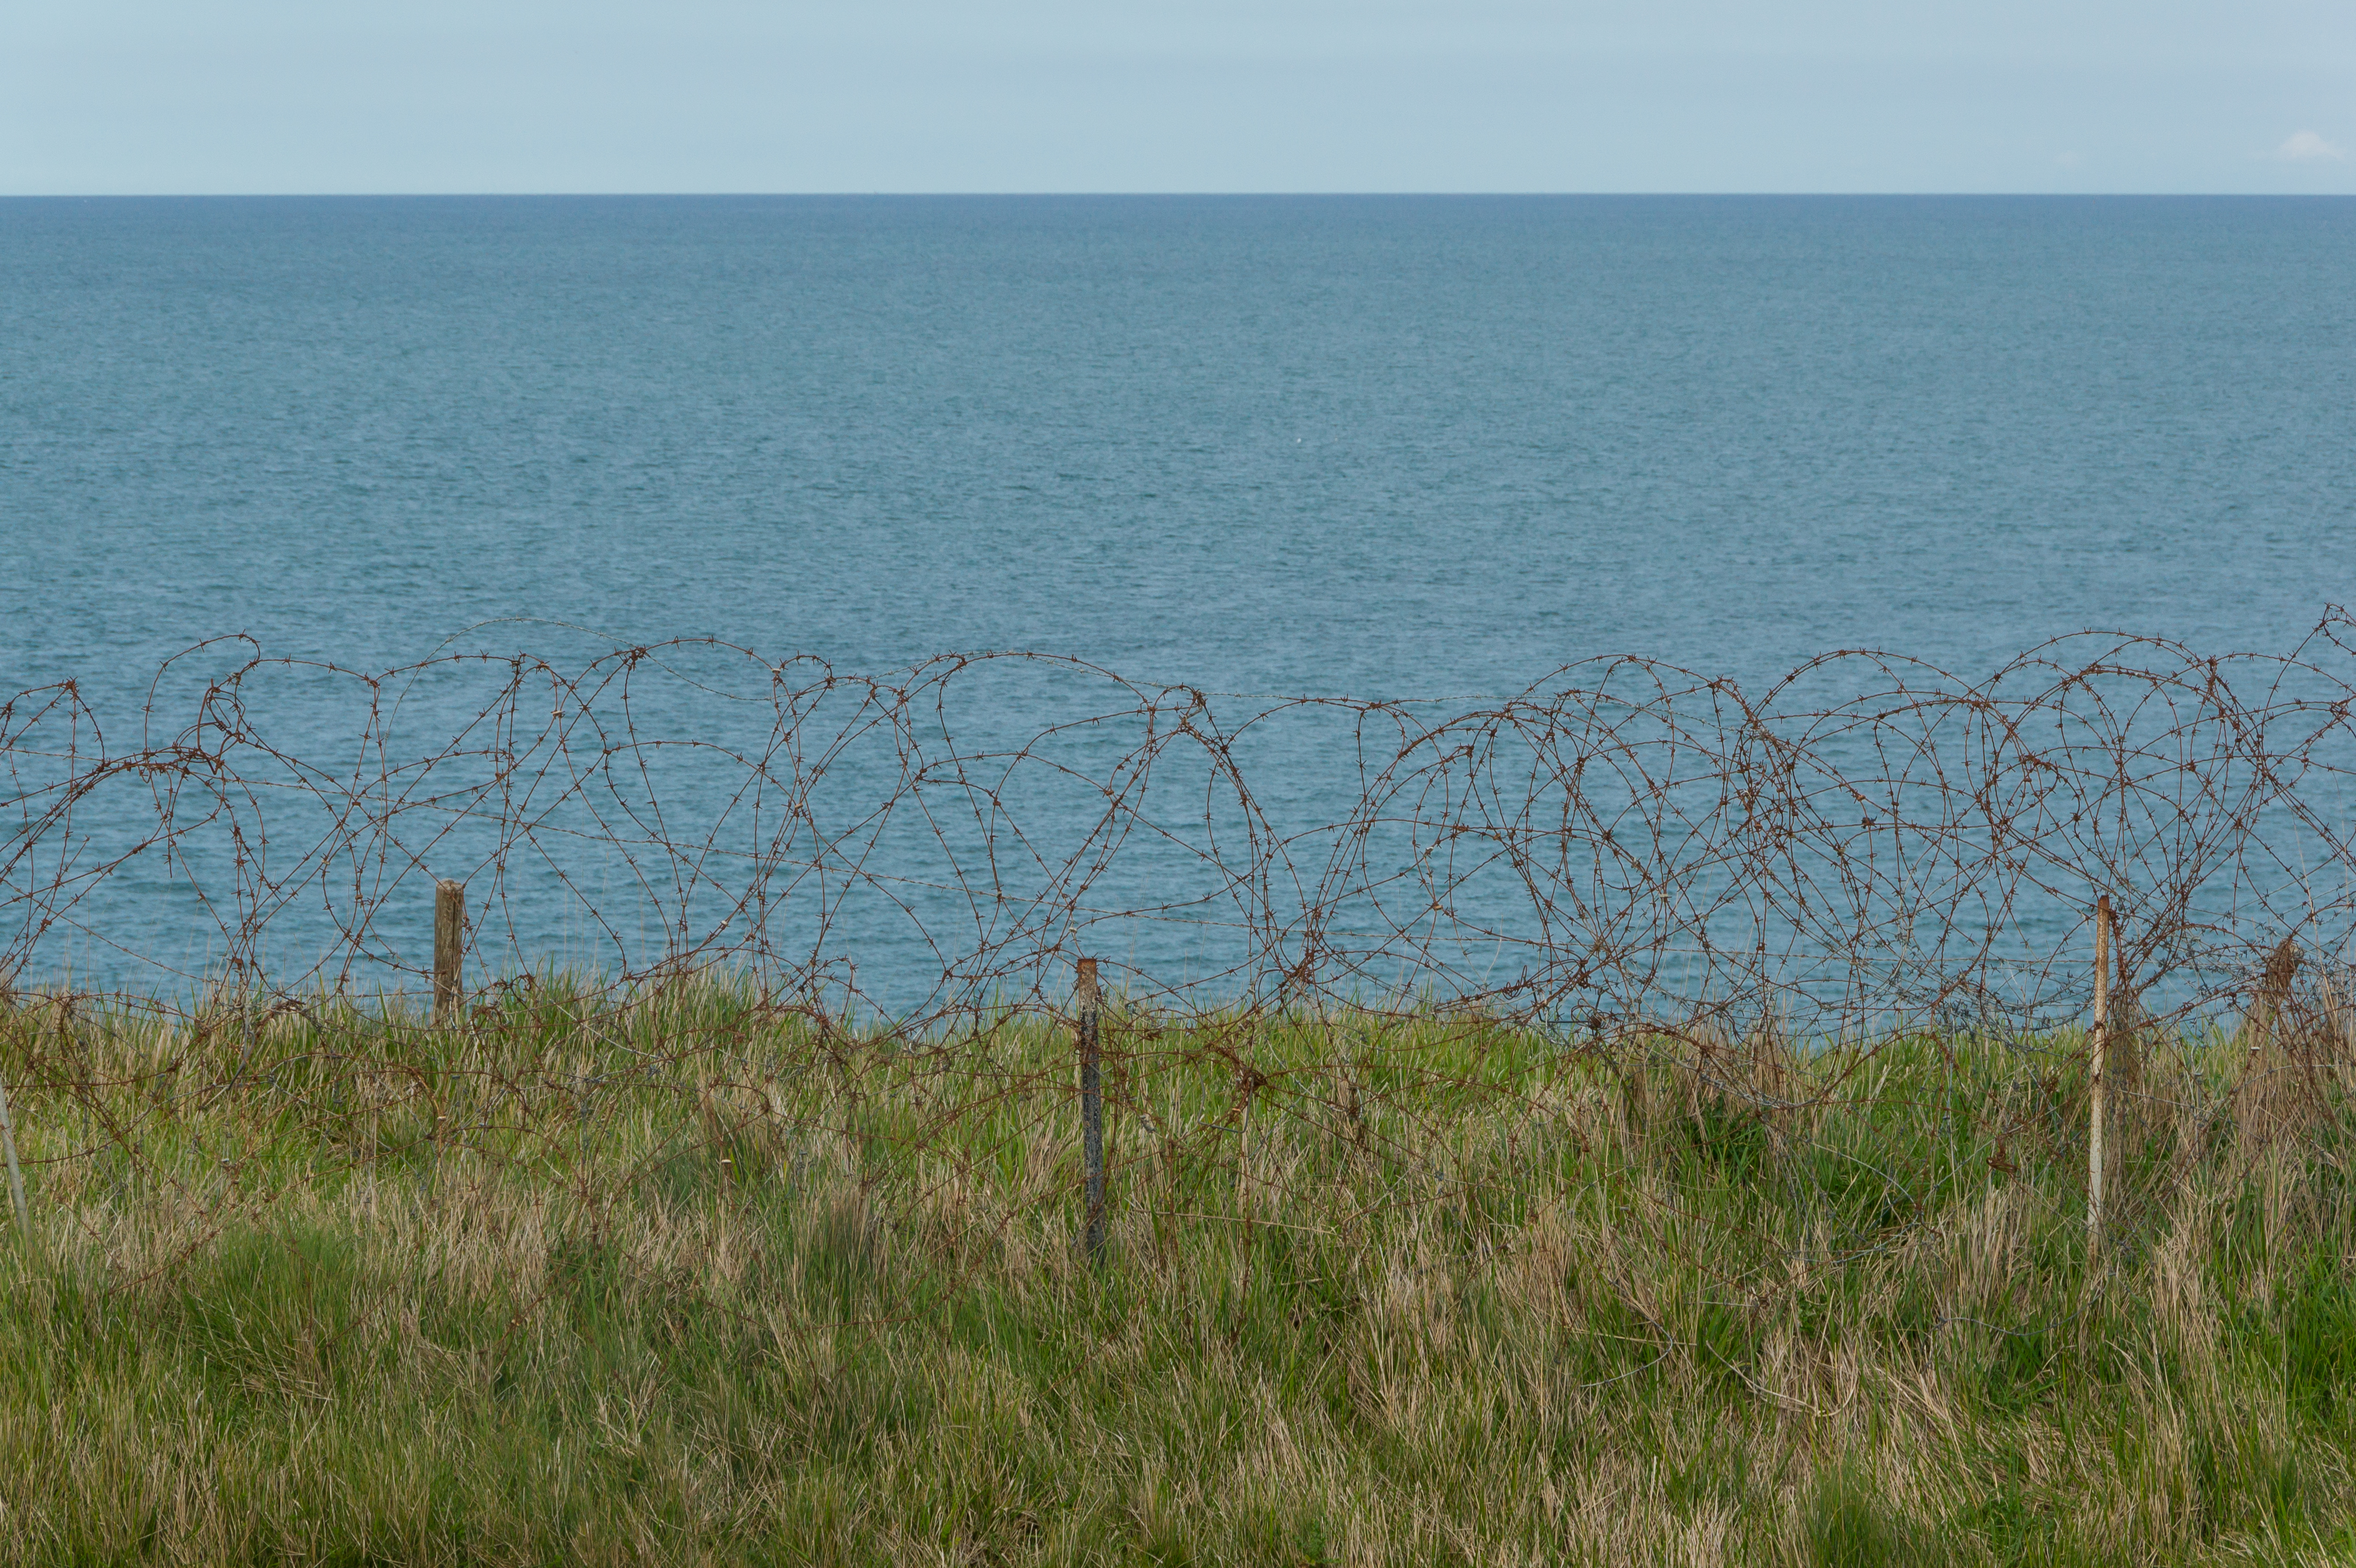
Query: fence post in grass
{"type": "Point", "coordinates": [449, 943]}
{"type": "Point", "coordinates": [1088, 1000]}
{"type": "Point", "coordinates": [2101, 1049]}
{"type": "Point", "coordinates": [16, 1172]}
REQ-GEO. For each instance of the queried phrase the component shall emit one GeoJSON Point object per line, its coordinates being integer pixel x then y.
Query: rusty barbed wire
{"type": "Point", "coordinates": [1633, 861]}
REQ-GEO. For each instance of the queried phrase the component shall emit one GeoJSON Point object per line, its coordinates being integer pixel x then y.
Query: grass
{"type": "Point", "coordinates": [676, 1278]}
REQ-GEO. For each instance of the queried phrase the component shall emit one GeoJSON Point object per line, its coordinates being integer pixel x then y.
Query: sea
{"type": "Point", "coordinates": [1417, 450]}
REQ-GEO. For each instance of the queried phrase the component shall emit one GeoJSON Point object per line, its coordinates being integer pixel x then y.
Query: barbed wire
{"type": "Point", "coordinates": [1624, 838]}
{"type": "Point", "coordinates": [1736, 897]}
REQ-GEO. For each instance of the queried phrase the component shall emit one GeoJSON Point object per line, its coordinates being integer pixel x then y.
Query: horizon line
{"type": "Point", "coordinates": [1166, 195]}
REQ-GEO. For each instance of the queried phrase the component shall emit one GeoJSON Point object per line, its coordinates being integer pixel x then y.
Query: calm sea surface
{"type": "Point", "coordinates": [1387, 447]}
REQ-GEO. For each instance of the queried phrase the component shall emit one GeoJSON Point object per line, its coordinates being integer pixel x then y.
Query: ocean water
{"type": "Point", "coordinates": [1376, 448]}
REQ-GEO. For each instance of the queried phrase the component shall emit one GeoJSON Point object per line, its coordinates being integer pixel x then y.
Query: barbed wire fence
{"type": "Point", "coordinates": [1744, 899]}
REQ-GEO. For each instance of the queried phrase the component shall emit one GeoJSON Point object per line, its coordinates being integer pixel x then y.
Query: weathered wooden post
{"type": "Point", "coordinates": [15, 1173]}
{"type": "Point", "coordinates": [1088, 1000]}
{"type": "Point", "coordinates": [2269, 1103]}
{"type": "Point", "coordinates": [2102, 1050]}
{"type": "Point", "coordinates": [2272, 999]}
{"type": "Point", "coordinates": [449, 944]}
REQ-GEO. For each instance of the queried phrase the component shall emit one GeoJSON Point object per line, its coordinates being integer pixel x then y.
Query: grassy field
{"type": "Point", "coordinates": [682, 1281]}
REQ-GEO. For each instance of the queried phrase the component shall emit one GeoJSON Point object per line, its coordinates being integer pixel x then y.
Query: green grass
{"type": "Point", "coordinates": [675, 1278]}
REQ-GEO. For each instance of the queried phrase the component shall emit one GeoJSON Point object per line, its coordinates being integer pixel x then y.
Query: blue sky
{"type": "Point", "coordinates": [124, 96]}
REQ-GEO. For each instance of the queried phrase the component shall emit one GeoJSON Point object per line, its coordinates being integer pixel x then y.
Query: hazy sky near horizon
{"type": "Point", "coordinates": [237, 96]}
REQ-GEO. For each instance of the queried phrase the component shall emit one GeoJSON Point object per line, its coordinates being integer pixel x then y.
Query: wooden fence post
{"type": "Point", "coordinates": [15, 1173]}
{"type": "Point", "coordinates": [2102, 1050]}
{"type": "Point", "coordinates": [1089, 999]}
{"type": "Point", "coordinates": [449, 945]}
